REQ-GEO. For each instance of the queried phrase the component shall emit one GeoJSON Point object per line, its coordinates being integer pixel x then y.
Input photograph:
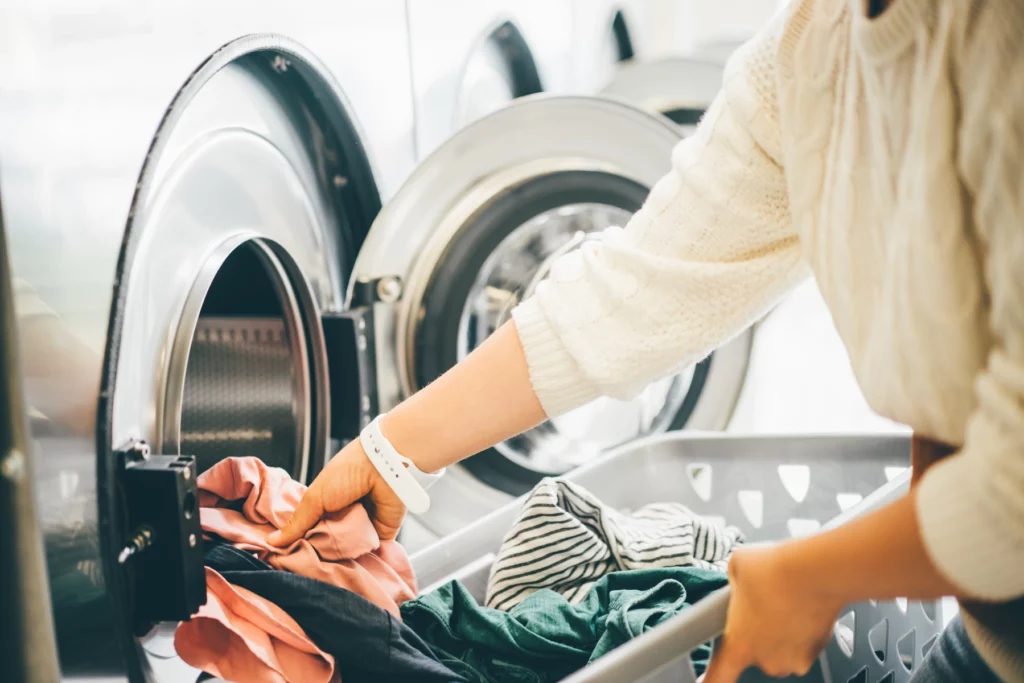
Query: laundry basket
{"type": "Point", "coordinates": [772, 488]}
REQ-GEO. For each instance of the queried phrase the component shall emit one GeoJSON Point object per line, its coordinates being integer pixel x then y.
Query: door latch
{"type": "Point", "coordinates": [163, 555]}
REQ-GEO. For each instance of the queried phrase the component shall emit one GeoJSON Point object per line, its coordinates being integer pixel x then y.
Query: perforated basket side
{"type": "Point", "coordinates": [881, 643]}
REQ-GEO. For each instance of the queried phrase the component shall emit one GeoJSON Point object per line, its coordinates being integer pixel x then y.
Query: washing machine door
{"type": "Point", "coordinates": [470, 234]}
{"type": "Point", "coordinates": [678, 87]}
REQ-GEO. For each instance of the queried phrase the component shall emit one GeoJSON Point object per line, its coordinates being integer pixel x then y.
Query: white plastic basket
{"type": "Point", "coordinates": [770, 487]}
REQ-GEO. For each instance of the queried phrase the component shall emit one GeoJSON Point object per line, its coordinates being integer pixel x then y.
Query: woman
{"type": "Point", "coordinates": [879, 148]}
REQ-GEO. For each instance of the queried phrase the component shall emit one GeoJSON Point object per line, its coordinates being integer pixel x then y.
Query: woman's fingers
{"type": "Point", "coordinates": [305, 517]}
{"type": "Point", "coordinates": [727, 663]}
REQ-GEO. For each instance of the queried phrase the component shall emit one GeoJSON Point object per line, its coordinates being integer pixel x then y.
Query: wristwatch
{"type": "Point", "coordinates": [408, 482]}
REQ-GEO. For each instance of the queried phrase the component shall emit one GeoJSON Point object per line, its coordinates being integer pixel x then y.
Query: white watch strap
{"type": "Point", "coordinates": [405, 479]}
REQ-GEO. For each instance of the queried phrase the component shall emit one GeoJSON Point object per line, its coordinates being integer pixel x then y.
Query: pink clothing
{"type": "Point", "coordinates": [239, 636]}
{"type": "Point", "coordinates": [242, 501]}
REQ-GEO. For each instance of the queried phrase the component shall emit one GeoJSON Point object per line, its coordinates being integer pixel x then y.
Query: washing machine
{"type": "Point", "coordinates": [184, 188]}
{"type": "Point", "coordinates": [471, 234]}
{"type": "Point", "coordinates": [460, 72]}
{"type": "Point", "coordinates": [469, 59]}
{"type": "Point", "coordinates": [608, 34]}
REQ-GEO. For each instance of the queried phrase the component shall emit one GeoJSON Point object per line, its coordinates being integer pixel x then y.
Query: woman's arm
{"type": "Point", "coordinates": [786, 598]}
{"type": "Point", "coordinates": [711, 251]}
{"type": "Point", "coordinates": [483, 400]}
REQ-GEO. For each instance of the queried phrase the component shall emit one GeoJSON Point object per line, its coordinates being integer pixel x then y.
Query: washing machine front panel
{"type": "Point", "coordinates": [83, 91]}
{"type": "Point", "coordinates": [470, 234]}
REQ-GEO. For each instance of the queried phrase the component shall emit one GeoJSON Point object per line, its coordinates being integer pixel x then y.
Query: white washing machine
{"type": "Point", "coordinates": [469, 59]}
{"type": "Point", "coordinates": [468, 282]}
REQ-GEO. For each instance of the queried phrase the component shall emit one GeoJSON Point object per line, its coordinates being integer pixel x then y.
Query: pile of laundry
{"type": "Point", "coordinates": [573, 580]}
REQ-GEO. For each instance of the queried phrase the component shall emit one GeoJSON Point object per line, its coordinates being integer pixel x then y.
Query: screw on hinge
{"type": "Point", "coordinates": [389, 289]}
{"type": "Point", "coordinates": [136, 450]}
{"type": "Point", "coordinates": [140, 540]}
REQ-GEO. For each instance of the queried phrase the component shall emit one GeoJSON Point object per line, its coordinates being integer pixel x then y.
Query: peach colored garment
{"type": "Point", "coordinates": [242, 501]}
{"type": "Point", "coordinates": [240, 636]}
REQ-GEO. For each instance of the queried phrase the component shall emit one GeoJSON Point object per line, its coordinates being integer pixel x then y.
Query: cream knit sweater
{"type": "Point", "coordinates": [887, 156]}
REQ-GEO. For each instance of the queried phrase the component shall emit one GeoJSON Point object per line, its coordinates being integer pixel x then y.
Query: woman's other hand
{"type": "Point", "coordinates": [778, 619]}
{"type": "Point", "coordinates": [348, 477]}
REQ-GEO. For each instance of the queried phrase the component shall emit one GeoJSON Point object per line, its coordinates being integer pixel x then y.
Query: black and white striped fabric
{"type": "Point", "coordinates": [564, 539]}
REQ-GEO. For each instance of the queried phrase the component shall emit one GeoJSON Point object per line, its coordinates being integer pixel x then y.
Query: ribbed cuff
{"type": "Point", "coordinates": [965, 538]}
{"type": "Point", "coordinates": [557, 380]}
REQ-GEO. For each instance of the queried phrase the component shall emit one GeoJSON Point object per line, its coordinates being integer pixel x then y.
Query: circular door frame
{"type": "Point", "coordinates": [531, 138]}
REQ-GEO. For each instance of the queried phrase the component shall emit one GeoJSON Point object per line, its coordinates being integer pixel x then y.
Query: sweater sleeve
{"type": "Point", "coordinates": [971, 506]}
{"type": "Point", "coordinates": [711, 250]}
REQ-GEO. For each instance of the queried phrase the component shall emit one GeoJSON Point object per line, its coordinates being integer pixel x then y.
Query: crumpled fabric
{"type": "Point", "coordinates": [240, 636]}
{"type": "Point", "coordinates": [565, 539]}
{"type": "Point", "coordinates": [369, 644]}
{"type": "Point", "coordinates": [544, 638]}
{"type": "Point", "coordinates": [242, 501]}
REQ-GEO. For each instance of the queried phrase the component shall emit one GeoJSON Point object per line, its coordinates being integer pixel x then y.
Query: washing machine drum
{"type": "Point", "coordinates": [472, 233]}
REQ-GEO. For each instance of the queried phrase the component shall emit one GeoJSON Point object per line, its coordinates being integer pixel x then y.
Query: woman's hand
{"type": "Point", "coordinates": [785, 598]}
{"type": "Point", "coordinates": [483, 400]}
{"type": "Point", "coordinates": [779, 618]}
{"type": "Point", "coordinates": [347, 478]}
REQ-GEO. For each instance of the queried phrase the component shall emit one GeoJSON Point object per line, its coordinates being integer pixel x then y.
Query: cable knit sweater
{"type": "Point", "coordinates": [886, 156]}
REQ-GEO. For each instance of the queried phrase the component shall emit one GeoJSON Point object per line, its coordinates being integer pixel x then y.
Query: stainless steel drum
{"type": "Point", "coordinates": [239, 382]}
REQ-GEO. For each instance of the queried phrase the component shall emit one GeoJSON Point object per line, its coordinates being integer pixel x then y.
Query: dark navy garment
{"type": "Point", "coordinates": [367, 642]}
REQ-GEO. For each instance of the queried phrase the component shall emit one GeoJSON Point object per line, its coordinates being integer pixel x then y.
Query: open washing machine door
{"type": "Point", "coordinates": [471, 232]}
{"type": "Point", "coordinates": [249, 212]}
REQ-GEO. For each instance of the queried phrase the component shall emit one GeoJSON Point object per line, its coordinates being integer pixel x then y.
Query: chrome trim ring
{"type": "Point", "coordinates": [171, 427]}
{"type": "Point", "coordinates": [530, 138]}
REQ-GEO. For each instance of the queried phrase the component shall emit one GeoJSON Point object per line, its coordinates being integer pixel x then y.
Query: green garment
{"type": "Point", "coordinates": [544, 638]}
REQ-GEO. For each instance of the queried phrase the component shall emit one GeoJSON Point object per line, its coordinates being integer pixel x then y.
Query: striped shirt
{"type": "Point", "coordinates": [564, 539]}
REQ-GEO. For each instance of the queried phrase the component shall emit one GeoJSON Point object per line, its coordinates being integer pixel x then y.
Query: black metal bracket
{"type": "Point", "coordinates": [386, 290]}
{"type": "Point", "coordinates": [351, 371]}
{"type": "Point", "coordinates": [163, 554]}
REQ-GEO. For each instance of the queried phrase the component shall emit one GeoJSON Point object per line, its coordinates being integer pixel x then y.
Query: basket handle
{"type": "Point", "coordinates": [703, 621]}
